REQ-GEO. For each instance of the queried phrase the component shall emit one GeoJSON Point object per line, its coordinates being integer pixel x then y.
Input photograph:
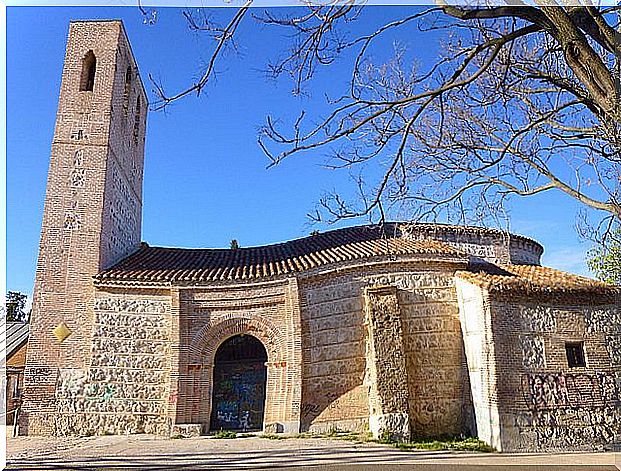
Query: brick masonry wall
{"type": "Point", "coordinates": [434, 352]}
{"type": "Point", "coordinates": [92, 210]}
{"type": "Point", "coordinates": [141, 360]}
{"type": "Point", "coordinates": [525, 395]}
{"type": "Point", "coordinates": [543, 403]}
{"type": "Point", "coordinates": [482, 244]}
{"type": "Point", "coordinates": [208, 316]}
{"type": "Point", "coordinates": [122, 217]}
{"type": "Point", "coordinates": [333, 354]}
{"type": "Point", "coordinates": [317, 337]}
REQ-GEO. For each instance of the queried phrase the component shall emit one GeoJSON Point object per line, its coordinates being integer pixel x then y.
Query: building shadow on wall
{"type": "Point", "coordinates": [439, 390]}
{"type": "Point", "coordinates": [334, 402]}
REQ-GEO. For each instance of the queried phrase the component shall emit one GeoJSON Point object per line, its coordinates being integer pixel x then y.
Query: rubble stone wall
{"type": "Point", "coordinates": [125, 387]}
{"type": "Point", "coordinates": [386, 372]}
{"type": "Point", "coordinates": [433, 347]}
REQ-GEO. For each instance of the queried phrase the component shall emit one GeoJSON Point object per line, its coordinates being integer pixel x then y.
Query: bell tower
{"type": "Point", "coordinates": [93, 205]}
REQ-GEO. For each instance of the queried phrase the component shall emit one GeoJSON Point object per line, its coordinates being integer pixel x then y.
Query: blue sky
{"type": "Point", "coordinates": [205, 176]}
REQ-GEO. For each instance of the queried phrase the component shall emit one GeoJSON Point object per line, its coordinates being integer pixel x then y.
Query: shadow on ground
{"type": "Point", "coordinates": [357, 459]}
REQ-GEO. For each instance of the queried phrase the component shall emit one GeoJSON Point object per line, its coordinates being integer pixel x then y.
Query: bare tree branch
{"type": "Point", "coordinates": [522, 100]}
{"type": "Point", "coordinates": [223, 38]}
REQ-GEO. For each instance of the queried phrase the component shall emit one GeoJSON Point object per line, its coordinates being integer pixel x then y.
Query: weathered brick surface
{"type": "Point", "coordinates": [557, 407]}
{"type": "Point", "coordinates": [434, 353]}
{"type": "Point", "coordinates": [335, 334]}
{"type": "Point", "coordinates": [207, 317]}
{"type": "Point", "coordinates": [526, 396]}
{"type": "Point", "coordinates": [482, 244]}
{"type": "Point", "coordinates": [333, 353]}
{"type": "Point", "coordinates": [92, 207]}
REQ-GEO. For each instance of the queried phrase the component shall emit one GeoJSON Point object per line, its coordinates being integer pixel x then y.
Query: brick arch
{"type": "Point", "coordinates": [206, 341]}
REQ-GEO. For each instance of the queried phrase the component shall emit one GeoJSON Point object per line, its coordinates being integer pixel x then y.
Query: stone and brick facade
{"type": "Point", "coordinates": [93, 205]}
{"type": "Point", "coordinates": [400, 329]}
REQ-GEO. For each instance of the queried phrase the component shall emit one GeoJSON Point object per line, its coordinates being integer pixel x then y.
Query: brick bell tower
{"type": "Point", "coordinates": [93, 206]}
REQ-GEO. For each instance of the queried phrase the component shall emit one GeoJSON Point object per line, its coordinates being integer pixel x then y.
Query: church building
{"type": "Point", "coordinates": [403, 330]}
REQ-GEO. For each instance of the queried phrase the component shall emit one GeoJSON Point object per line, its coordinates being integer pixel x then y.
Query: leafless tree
{"type": "Point", "coordinates": [523, 99]}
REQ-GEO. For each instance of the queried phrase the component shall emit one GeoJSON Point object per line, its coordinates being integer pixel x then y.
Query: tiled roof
{"type": "Point", "coordinates": [161, 264]}
{"type": "Point", "coordinates": [16, 336]}
{"type": "Point", "coordinates": [532, 278]}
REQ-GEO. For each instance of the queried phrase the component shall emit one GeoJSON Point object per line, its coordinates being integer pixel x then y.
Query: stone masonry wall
{"type": "Point", "coordinates": [334, 357]}
{"type": "Point", "coordinates": [433, 346]}
{"type": "Point", "coordinates": [491, 245]}
{"type": "Point", "coordinates": [386, 372]}
{"type": "Point", "coordinates": [544, 404]}
{"type": "Point", "coordinates": [126, 385]}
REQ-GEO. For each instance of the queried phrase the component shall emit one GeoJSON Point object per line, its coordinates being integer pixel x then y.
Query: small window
{"type": "Point", "coordinates": [575, 354]}
{"type": "Point", "coordinates": [16, 391]}
{"type": "Point", "coordinates": [137, 120]}
{"type": "Point", "coordinates": [127, 89]}
{"type": "Point", "coordinates": [87, 80]}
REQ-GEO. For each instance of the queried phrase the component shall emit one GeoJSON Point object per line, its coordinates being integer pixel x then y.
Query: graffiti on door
{"type": "Point", "coordinates": [239, 390]}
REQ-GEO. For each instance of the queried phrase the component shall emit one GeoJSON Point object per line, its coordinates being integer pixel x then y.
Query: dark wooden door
{"type": "Point", "coordinates": [239, 381]}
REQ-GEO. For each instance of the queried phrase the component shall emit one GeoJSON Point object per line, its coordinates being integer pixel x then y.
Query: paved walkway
{"type": "Point", "coordinates": [146, 452]}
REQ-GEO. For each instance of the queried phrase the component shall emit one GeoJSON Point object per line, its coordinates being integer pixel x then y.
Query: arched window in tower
{"type": "Point", "coordinates": [137, 120]}
{"type": "Point", "coordinates": [128, 86]}
{"type": "Point", "coordinates": [89, 64]}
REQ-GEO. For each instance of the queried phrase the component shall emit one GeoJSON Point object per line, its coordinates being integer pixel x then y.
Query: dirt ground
{"type": "Point", "coordinates": [148, 452]}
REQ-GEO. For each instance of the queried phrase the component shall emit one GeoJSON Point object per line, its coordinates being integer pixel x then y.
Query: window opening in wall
{"type": "Point", "coordinates": [16, 390]}
{"type": "Point", "coordinates": [137, 120]}
{"type": "Point", "coordinates": [128, 83]}
{"type": "Point", "coordinates": [575, 354]}
{"type": "Point", "coordinates": [89, 65]}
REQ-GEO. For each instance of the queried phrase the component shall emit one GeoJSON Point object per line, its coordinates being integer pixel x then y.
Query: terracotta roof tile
{"type": "Point", "coordinates": [532, 278]}
{"type": "Point", "coordinates": [162, 264]}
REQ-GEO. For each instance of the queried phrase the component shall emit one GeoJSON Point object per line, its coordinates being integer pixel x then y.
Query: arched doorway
{"type": "Point", "coordinates": [239, 380]}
